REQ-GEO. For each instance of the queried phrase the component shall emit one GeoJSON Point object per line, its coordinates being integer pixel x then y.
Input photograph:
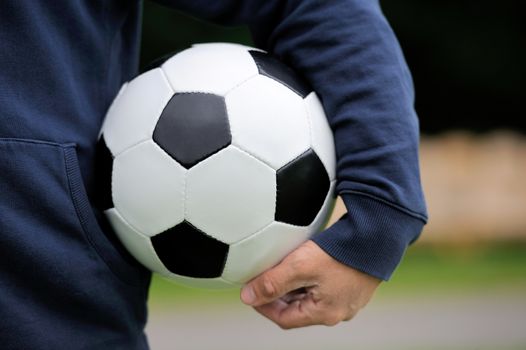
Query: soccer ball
{"type": "Point", "coordinates": [215, 165]}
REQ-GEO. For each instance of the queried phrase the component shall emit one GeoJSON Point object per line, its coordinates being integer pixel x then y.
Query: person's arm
{"type": "Point", "coordinates": [349, 54]}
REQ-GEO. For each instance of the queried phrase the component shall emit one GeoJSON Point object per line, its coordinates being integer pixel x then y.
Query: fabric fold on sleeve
{"type": "Point", "coordinates": [372, 237]}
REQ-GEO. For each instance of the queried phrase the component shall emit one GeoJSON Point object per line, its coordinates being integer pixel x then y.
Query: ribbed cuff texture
{"type": "Point", "coordinates": [372, 237]}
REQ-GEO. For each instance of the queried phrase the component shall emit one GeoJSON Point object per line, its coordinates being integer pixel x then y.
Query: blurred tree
{"type": "Point", "coordinates": [166, 31]}
{"type": "Point", "coordinates": [468, 61]}
{"type": "Point", "coordinates": [467, 56]}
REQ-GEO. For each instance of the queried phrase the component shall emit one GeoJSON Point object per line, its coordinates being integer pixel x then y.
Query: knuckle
{"type": "Point", "coordinates": [349, 315]}
{"type": "Point", "coordinates": [331, 321]}
{"type": "Point", "coordinates": [295, 263]}
{"type": "Point", "coordinates": [285, 326]}
{"type": "Point", "coordinates": [333, 318]}
{"type": "Point", "coordinates": [268, 287]}
{"type": "Point", "coordinates": [352, 310]}
{"type": "Point", "coordinates": [299, 258]}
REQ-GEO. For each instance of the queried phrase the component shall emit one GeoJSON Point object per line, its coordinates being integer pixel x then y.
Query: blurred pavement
{"type": "Point", "coordinates": [450, 322]}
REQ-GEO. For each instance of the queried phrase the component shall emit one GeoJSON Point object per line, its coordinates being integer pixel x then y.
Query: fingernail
{"type": "Point", "coordinates": [247, 295]}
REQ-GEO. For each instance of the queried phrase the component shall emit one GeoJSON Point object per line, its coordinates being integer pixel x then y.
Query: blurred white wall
{"type": "Point", "coordinates": [475, 187]}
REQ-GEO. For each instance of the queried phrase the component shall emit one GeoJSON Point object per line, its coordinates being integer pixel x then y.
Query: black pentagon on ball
{"type": "Point", "coordinates": [192, 127]}
{"type": "Point", "coordinates": [187, 251]}
{"type": "Point", "coordinates": [302, 186]}
{"type": "Point", "coordinates": [102, 198]}
{"type": "Point", "coordinates": [273, 68]}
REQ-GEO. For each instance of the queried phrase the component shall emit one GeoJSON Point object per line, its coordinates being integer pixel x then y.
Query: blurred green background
{"type": "Point", "coordinates": [462, 285]}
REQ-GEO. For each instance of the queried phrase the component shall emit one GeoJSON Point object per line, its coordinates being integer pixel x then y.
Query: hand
{"type": "Point", "coordinates": [308, 288]}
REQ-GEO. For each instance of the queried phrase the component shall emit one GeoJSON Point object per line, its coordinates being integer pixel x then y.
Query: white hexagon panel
{"type": "Point", "coordinates": [230, 195]}
{"type": "Point", "coordinates": [217, 68]}
{"type": "Point", "coordinates": [274, 126]}
{"type": "Point", "coordinates": [148, 188]}
{"type": "Point", "coordinates": [322, 140]}
{"type": "Point", "coordinates": [255, 254]}
{"type": "Point", "coordinates": [134, 113]}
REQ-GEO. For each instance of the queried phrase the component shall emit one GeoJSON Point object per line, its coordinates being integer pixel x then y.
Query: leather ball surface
{"type": "Point", "coordinates": [215, 164]}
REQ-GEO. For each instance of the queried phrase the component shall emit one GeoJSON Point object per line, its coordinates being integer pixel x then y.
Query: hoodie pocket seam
{"type": "Point", "coordinates": [82, 206]}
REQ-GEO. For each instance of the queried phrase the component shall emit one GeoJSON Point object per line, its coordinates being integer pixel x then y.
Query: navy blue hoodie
{"type": "Point", "coordinates": [61, 64]}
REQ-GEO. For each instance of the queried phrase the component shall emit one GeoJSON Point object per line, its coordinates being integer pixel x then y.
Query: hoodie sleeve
{"type": "Point", "coordinates": [349, 54]}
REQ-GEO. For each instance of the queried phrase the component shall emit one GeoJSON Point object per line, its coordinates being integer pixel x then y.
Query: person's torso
{"type": "Point", "coordinates": [61, 64]}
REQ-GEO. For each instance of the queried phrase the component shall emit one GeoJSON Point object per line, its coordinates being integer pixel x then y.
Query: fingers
{"type": "Point", "coordinates": [299, 313]}
{"type": "Point", "coordinates": [309, 287]}
{"type": "Point", "coordinates": [291, 274]}
{"type": "Point", "coordinates": [295, 295]}
{"type": "Point", "coordinates": [286, 315]}
{"type": "Point", "coordinates": [273, 284]}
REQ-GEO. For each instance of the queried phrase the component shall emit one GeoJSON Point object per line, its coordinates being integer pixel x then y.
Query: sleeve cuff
{"type": "Point", "coordinates": [372, 237]}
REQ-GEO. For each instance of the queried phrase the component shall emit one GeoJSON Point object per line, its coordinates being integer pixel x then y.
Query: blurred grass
{"type": "Point", "coordinates": [426, 270]}
{"type": "Point", "coordinates": [459, 268]}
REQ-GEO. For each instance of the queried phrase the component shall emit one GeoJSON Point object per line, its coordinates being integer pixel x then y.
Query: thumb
{"type": "Point", "coordinates": [274, 284]}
